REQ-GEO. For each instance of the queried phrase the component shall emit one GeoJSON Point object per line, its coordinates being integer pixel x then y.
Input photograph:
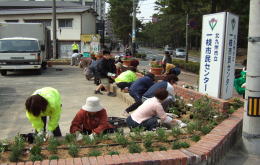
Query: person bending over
{"type": "Point", "coordinates": [147, 114]}
{"type": "Point", "coordinates": [44, 102]}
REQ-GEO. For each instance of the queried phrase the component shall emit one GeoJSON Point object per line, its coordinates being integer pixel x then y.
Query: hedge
{"type": "Point", "coordinates": [190, 66]}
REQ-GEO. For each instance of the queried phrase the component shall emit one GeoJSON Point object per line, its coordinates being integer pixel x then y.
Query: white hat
{"type": "Point", "coordinates": [92, 104]}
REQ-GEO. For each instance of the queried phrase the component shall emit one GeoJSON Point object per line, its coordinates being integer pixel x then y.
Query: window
{"type": "Point", "coordinates": [65, 23]}
{"type": "Point", "coordinates": [45, 22]}
{"type": "Point", "coordinates": [12, 20]}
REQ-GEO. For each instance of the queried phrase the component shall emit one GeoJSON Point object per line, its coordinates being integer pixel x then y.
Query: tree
{"type": "Point", "coordinates": [120, 13]}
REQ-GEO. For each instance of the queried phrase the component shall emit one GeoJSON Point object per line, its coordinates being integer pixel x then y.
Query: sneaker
{"type": "Point", "coordinates": [125, 114]}
{"type": "Point", "coordinates": [182, 125]}
{"type": "Point", "coordinates": [98, 92]}
{"type": "Point", "coordinates": [111, 94]}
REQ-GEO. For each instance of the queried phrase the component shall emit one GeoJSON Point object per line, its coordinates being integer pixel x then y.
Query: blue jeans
{"type": "Point", "coordinates": [148, 124]}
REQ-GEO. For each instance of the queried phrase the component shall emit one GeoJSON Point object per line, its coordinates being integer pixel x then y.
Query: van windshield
{"type": "Point", "coordinates": [19, 46]}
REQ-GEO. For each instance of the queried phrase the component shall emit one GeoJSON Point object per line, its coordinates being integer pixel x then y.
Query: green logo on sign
{"type": "Point", "coordinates": [233, 23]}
{"type": "Point", "coordinates": [213, 23]}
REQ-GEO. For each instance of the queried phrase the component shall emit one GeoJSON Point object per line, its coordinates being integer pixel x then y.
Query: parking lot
{"type": "Point", "coordinates": [71, 83]}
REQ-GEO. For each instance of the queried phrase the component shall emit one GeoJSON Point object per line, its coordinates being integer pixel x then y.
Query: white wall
{"type": "Point", "coordinates": [62, 33]}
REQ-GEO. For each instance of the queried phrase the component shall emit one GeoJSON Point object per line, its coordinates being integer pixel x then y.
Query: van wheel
{"type": "Point", "coordinates": [3, 72]}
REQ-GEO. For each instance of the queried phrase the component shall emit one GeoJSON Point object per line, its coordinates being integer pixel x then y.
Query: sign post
{"type": "Point", "coordinates": [218, 55]}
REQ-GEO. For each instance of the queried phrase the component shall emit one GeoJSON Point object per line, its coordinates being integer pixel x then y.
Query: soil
{"type": "Point", "coordinates": [83, 152]}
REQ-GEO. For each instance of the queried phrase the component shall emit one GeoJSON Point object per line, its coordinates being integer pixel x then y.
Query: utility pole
{"type": "Point", "coordinates": [251, 120]}
{"type": "Point", "coordinates": [134, 27]}
{"type": "Point", "coordinates": [54, 36]}
{"type": "Point", "coordinates": [187, 36]}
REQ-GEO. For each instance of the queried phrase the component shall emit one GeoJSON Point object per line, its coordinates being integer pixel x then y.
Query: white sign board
{"type": "Point", "coordinates": [228, 74]}
{"type": "Point", "coordinates": [218, 51]}
{"type": "Point", "coordinates": [213, 30]}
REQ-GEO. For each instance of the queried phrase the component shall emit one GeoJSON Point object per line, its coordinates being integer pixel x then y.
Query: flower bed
{"type": "Point", "coordinates": [200, 116]}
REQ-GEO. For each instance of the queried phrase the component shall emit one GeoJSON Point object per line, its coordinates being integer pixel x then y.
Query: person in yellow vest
{"type": "Point", "coordinates": [42, 103]}
{"type": "Point", "coordinates": [75, 48]}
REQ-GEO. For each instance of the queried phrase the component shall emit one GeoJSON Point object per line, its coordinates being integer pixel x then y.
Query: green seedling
{"type": "Point", "coordinates": [161, 135]}
{"type": "Point", "coordinates": [137, 133]}
{"type": "Point", "coordinates": [176, 145]}
{"type": "Point", "coordinates": [176, 132]}
{"type": "Point", "coordinates": [36, 150]}
{"type": "Point", "coordinates": [195, 138]}
{"type": "Point", "coordinates": [88, 141]}
{"type": "Point", "coordinates": [205, 129]}
{"type": "Point", "coordinates": [17, 149]}
{"type": "Point", "coordinates": [150, 149]}
{"type": "Point", "coordinates": [39, 140]}
{"type": "Point", "coordinates": [73, 150]}
{"type": "Point", "coordinates": [184, 144]}
{"type": "Point", "coordinates": [148, 141]}
{"type": "Point", "coordinates": [231, 110]}
{"type": "Point", "coordinates": [36, 158]}
{"type": "Point", "coordinates": [70, 138]}
{"type": "Point", "coordinates": [94, 153]}
{"type": "Point", "coordinates": [162, 148]}
{"type": "Point", "coordinates": [113, 153]}
{"type": "Point", "coordinates": [53, 157]}
{"type": "Point", "coordinates": [52, 146]}
{"type": "Point", "coordinates": [134, 148]}
{"type": "Point", "coordinates": [121, 139]}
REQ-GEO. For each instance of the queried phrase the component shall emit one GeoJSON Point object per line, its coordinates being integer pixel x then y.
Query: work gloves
{"type": "Point", "coordinates": [48, 135]}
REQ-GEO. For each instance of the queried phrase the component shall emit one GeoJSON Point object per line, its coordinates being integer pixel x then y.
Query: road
{"type": "Point", "coordinates": [158, 55]}
{"type": "Point", "coordinates": [71, 83]}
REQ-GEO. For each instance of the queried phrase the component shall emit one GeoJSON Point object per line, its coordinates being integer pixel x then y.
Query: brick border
{"type": "Point", "coordinates": [209, 150]}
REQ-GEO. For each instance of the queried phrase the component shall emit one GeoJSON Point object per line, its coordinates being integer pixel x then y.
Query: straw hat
{"type": "Point", "coordinates": [92, 104]}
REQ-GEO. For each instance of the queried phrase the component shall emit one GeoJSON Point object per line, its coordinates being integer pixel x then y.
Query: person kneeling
{"type": "Point", "coordinates": [147, 114]}
{"type": "Point", "coordinates": [91, 119]}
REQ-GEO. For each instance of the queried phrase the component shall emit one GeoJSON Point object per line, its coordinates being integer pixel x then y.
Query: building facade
{"type": "Point", "coordinates": [71, 22]}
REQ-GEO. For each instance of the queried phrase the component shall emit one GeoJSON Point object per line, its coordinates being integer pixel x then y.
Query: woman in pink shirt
{"type": "Point", "coordinates": [147, 114]}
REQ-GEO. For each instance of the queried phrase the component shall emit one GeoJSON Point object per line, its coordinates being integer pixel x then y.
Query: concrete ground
{"type": "Point", "coordinates": [238, 156]}
{"type": "Point", "coordinates": [70, 81]}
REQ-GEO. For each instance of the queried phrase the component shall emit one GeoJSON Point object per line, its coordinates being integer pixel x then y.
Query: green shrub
{"type": "Point", "coordinates": [39, 140]}
{"type": "Point", "coordinates": [134, 148]}
{"type": "Point", "coordinates": [189, 66]}
{"type": "Point", "coordinates": [231, 110]}
{"type": "Point", "coordinates": [53, 144]}
{"type": "Point", "coordinates": [53, 157]}
{"type": "Point", "coordinates": [150, 149]}
{"type": "Point", "coordinates": [176, 145]}
{"type": "Point", "coordinates": [162, 148]}
{"type": "Point", "coordinates": [161, 135]}
{"type": "Point", "coordinates": [15, 154]}
{"type": "Point", "coordinates": [148, 141]}
{"type": "Point", "coordinates": [176, 132]}
{"type": "Point", "coordinates": [193, 126]}
{"type": "Point", "coordinates": [73, 150]}
{"type": "Point", "coordinates": [70, 138]}
{"type": "Point", "coordinates": [88, 141]}
{"type": "Point", "coordinates": [205, 129]}
{"type": "Point", "coordinates": [137, 133]}
{"type": "Point", "coordinates": [203, 110]}
{"type": "Point", "coordinates": [113, 153]}
{"type": "Point", "coordinates": [195, 138]}
{"type": "Point", "coordinates": [36, 150]}
{"type": "Point", "coordinates": [36, 158]}
{"type": "Point", "coordinates": [121, 139]}
{"type": "Point", "coordinates": [17, 149]}
{"type": "Point", "coordinates": [237, 103]}
{"type": "Point", "coordinates": [94, 153]}
{"type": "Point", "coordinates": [184, 144]}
